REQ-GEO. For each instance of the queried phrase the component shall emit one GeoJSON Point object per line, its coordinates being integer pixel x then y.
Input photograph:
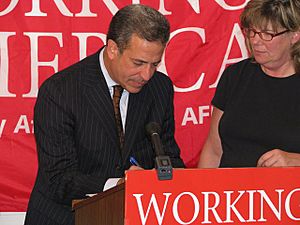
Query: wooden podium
{"type": "Point", "coordinates": [252, 196]}
{"type": "Point", "coordinates": [104, 208]}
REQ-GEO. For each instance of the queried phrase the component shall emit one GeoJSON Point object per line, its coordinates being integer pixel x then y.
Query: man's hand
{"type": "Point", "coordinates": [135, 168]}
{"type": "Point", "coordinates": [122, 180]}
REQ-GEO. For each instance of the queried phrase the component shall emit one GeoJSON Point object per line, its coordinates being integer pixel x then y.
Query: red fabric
{"type": "Point", "coordinates": [205, 37]}
{"type": "Point", "coordinates": [228, 196]}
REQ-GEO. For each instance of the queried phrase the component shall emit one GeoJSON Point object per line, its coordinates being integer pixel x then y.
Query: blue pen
{"type": "Point", "coordinates": [134, 162]}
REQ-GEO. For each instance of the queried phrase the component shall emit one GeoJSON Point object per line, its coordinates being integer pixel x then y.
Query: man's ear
{"type": "Point", "coordinates": [296, 37]}
{"type": "Point", "coordinates": [112, 49]}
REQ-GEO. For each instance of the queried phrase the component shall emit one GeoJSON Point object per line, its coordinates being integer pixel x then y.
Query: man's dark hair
{"type": "Point", "coordinates": [144, 21]}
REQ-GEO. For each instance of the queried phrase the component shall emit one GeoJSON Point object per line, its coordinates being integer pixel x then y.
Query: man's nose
{"type": "Point", "coordinates": [147, 72]}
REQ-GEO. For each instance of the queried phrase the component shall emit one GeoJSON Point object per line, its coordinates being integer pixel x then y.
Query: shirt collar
{"type": "Point", "coordinates": [110, 82]}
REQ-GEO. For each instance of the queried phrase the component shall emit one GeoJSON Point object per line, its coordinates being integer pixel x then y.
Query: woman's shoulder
{"type": "Point", "coordinates": [243, 65]}
{"type": "Point", "coordinates": [244, 68]}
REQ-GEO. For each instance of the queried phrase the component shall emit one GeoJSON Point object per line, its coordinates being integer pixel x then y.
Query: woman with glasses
{"type": "Point", "coordinates": [256, 116]}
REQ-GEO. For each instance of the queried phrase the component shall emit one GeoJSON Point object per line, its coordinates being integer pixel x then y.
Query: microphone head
{"type": "Point", "coordinates": [152, 127]}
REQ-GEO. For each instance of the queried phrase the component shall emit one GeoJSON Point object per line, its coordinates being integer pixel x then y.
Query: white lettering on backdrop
{"type": "Point", "coordinates": [162, 67]}
{"type": "Point", "coordinates": [196, 117]}
{"type": "Point", "coordinates": [23, 125]}
{"type": "Point", "coordinates": [86, 11]}
{"type": "Point", "coordinates": [2, 125]}
{"type": "Point", "coordinates": [35, 63]}
{"type": "Point", "coordinates": [36, 11]}
{"type": "Point", "coordinates": [4, 92]}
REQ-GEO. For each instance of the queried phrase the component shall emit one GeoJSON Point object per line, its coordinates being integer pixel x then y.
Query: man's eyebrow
{"type": "Point", "coordinates": [139, 60]}
{"type": "Point", "coordinates": [142, 61]}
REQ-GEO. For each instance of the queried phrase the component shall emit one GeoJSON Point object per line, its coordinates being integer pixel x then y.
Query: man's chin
{"type": "Point", "coordinates": [134, 90]}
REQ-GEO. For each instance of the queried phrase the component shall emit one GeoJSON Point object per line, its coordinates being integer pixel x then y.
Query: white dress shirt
{"type": "Point", "coordinates": [110, 83]}
{"type": "Point", "coordinates": [112, 182]}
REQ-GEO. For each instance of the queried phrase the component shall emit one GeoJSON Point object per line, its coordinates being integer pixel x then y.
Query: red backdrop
{"type": "Point", "coordinates": [38, 38]}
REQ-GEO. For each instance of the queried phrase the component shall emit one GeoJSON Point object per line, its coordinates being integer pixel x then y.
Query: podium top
{"type": "Point", "coordinates": [76, 204]}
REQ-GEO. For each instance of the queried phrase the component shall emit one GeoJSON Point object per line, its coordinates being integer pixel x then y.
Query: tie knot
{"type": "Point", "coordinates": [118, 90]}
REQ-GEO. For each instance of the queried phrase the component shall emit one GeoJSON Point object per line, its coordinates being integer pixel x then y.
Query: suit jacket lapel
{"type": "Point", "coordinates": [138, 107]}
{"type": "Point", "coordinates": [98, 97]}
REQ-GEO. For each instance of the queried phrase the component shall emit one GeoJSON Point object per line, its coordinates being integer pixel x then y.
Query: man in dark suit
{"type": "Point", "coordinates": [79, 145]}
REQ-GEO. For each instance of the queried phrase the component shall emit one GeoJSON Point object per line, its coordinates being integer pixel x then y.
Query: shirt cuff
{"type": "Point", "coordinates": [110, 183]}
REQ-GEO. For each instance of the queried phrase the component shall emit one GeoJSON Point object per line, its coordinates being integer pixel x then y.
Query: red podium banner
{"type": "Point", "coordinates": [214, 196]}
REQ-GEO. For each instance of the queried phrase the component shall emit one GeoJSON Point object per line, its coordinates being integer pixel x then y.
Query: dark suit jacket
{"type": "Point", "coordinates": [77, 140]}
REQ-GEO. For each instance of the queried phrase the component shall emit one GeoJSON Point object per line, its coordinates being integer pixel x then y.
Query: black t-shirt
{"type": "Point", "coordinates": [260, 113]}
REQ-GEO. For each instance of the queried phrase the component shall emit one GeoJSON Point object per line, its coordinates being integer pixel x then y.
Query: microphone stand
{"type": "Point", "coordinates": [162, 162]}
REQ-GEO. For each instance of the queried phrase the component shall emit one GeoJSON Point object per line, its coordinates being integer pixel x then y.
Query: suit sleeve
{"type": "Point", "coordinates": [54, 127]}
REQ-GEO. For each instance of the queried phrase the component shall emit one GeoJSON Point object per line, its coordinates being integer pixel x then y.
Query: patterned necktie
{"type": "Point", "coordinates": [118, 90]}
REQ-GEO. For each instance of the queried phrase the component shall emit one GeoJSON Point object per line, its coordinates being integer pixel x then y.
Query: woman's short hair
{"type": "Point", "coordinates": [280, 14]}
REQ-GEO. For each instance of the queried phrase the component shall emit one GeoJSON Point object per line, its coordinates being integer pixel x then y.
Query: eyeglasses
{"type": "Point", "coordinates": [266, 36]}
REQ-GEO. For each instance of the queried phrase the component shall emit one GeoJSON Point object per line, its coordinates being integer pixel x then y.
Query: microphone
{"type": "Point", "coordinates": [162, 162]}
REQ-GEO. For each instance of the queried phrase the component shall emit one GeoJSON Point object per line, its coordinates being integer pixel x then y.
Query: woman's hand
{"type": "Point", "coordinates": [278, 158]}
